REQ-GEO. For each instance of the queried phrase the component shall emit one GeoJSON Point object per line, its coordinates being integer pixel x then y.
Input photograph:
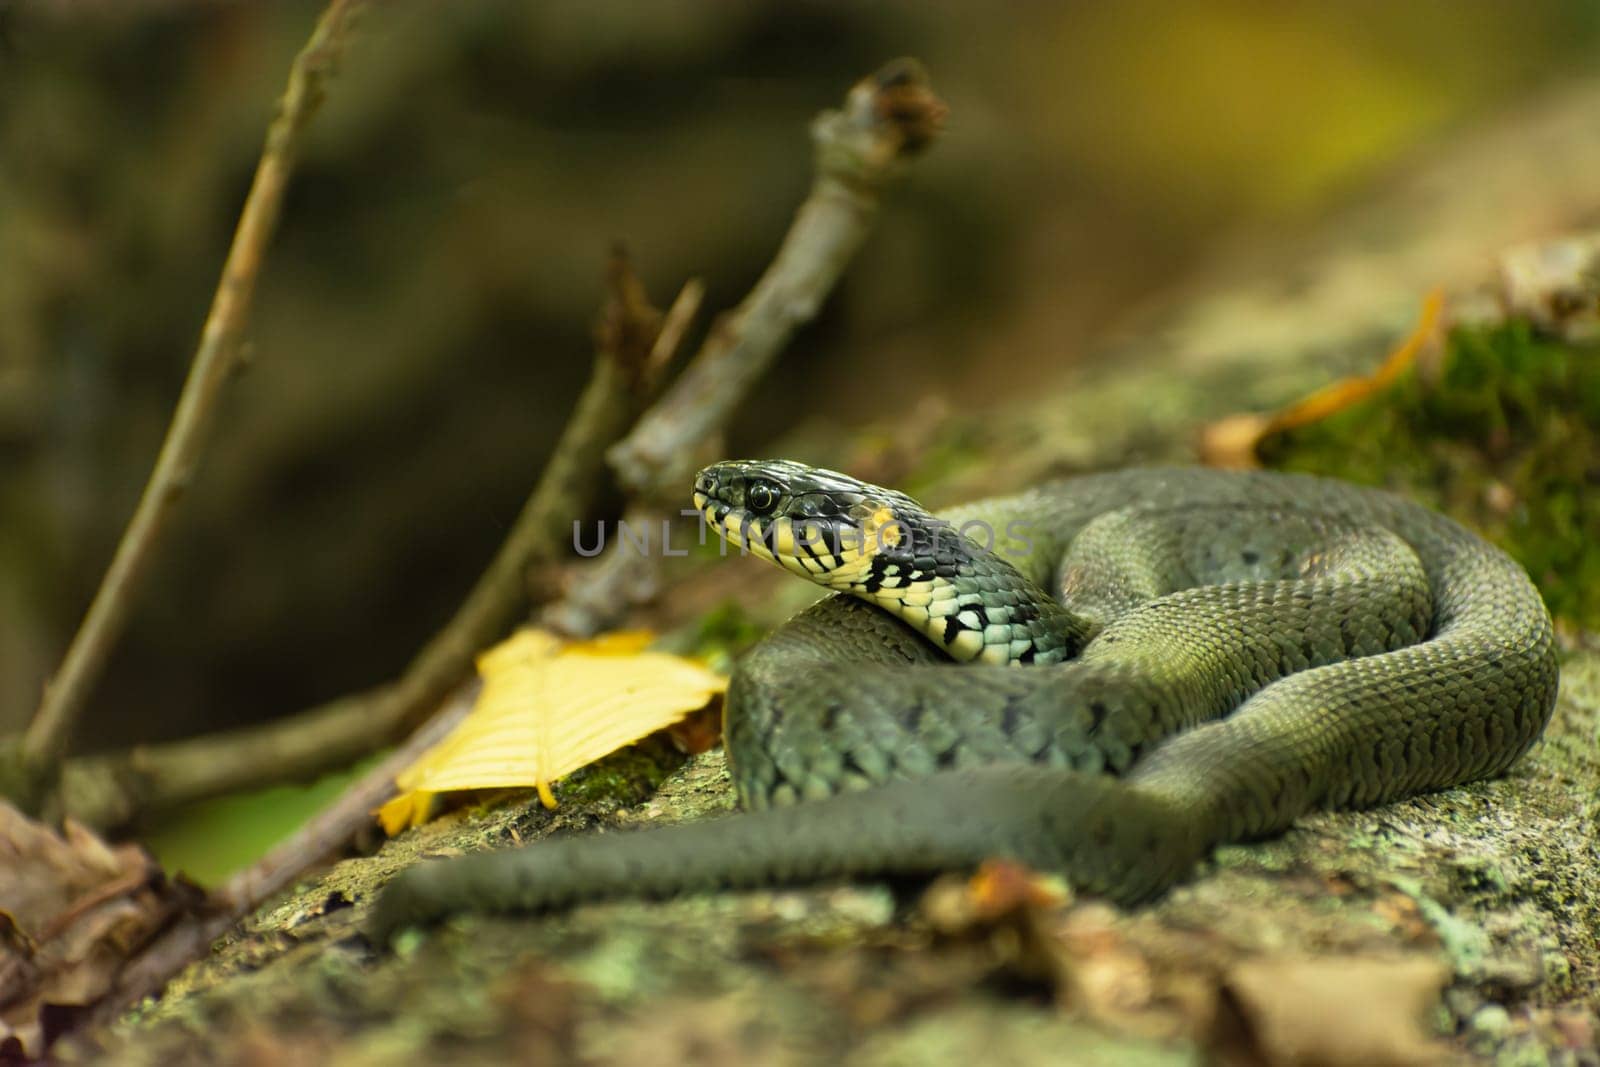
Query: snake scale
{"type": "Point", "coordinates": [1217, 653]}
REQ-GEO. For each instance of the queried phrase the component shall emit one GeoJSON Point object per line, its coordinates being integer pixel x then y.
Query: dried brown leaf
{"type": "Point", "coordinates": [73, 910]}
{"type": "Point", "coordinates": [1341, 1010]}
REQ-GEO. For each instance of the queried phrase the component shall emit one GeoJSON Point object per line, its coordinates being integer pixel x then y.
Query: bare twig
{"type": "Point", "coordinates": [214, 360]}
{"type": "Point", "coordinates": [114, 789]}
{"type": "Point", "coordinates": [336, 824]}
{"type": "Point", "coordinates": [673, 327]}
{"type": "Point", "coordinates": [887, 118]}
{"type": "Point", "coordinates": [624, 579]}
{"type": "Point", "coordinates": [602, 593]}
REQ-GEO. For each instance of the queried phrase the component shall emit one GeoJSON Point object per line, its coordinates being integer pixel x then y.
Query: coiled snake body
{"type": "Point", "coordinates": [1222, 652]}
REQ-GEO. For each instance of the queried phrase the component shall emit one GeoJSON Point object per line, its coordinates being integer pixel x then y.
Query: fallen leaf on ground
{"type": "Point", "coordinates": [549, 707]}
{"type": "Point", "coordinates": [1336, 1011]}
{"type": "Point", "coordinates": [1137, 976]}
{"type": "Point", "coordinates": [1232, 442]}
{"type": "Point", "coordinates": [73, 911]}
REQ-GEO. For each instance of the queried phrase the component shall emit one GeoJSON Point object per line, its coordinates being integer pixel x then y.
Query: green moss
{"type": "Point", "coordinates": [1507, 439]}
{"type": "Point", "coordinates": [627, 776]}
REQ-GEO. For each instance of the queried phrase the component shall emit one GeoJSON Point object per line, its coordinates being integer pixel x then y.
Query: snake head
{"type": "Point", "coordinates": [881, 545]}
{"type": "Point", "coordinates": [820, 524]}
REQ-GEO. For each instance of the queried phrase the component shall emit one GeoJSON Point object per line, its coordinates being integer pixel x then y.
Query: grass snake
{"type": "Point", "coordinates": [1217, 653]}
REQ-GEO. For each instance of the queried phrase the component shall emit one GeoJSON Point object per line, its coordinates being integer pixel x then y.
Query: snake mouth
{"type": "Point", "coordinates": [811, 549]}
{"type": "Point", "coordinates": [772, 538]}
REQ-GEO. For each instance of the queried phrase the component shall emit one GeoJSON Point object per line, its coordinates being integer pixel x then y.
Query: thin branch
{"type": "Point", "coordinates": [334, 826]}
{"type": "Point", "coordinates": [67, 693]}
{"type": "Point", "coordinates": [603, 593]}
{"type": "Point", "coordinates": [673, 327]}
{"type": "Point", "coordinates": [888, 118]}
{"type": "Point", "coordinates": [115, 789]}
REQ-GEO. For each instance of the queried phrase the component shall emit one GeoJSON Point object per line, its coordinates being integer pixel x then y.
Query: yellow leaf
{"type": "Point", "coordinates": [408, 809]}
{"type": "Point", "coordinates": [549, 707]}
{"type": "Point", "coordinates": [616, 643]}
{"type": "Point", "coordinates": [1232, 441]}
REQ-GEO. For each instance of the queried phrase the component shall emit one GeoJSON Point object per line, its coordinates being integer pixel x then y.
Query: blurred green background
{"type": "Point", "coordinates": [423, 320]}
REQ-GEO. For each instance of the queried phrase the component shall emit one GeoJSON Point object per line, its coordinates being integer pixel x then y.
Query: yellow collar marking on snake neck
{"type": "Point", "coordinates": [882, 529]}
{"type": "Point", "coordinates": [877, 531]}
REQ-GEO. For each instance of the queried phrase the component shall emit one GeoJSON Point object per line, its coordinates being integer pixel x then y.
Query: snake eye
{"type": "Point", "coordinates": [760, 497]}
